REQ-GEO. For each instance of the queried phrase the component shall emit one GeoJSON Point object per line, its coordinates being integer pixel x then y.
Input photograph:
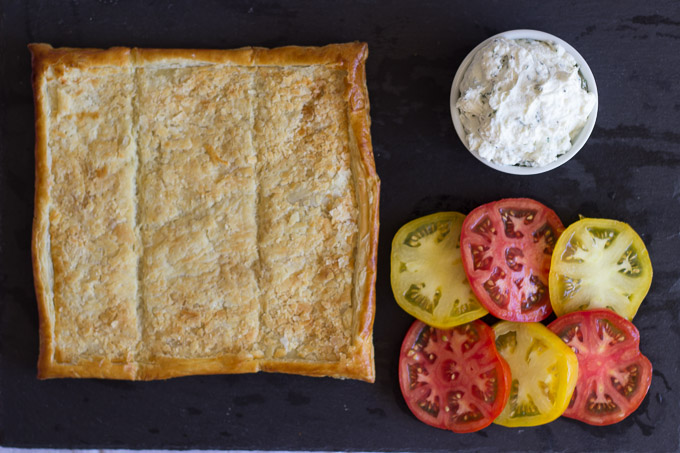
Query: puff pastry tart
{"type": "Point", "coordinates": [204, 211]}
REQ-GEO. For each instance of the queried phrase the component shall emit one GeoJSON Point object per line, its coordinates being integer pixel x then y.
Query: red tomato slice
{"type": "Point", "coordinates": [454, 378]}
{"type": "Point", "coordinates": [506, 248]}
{"type": "Point", "coordinates": [613, 376]}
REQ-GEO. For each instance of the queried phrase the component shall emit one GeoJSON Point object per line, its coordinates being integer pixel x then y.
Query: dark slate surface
{"type": "Point", "coordinates": [629, 170]}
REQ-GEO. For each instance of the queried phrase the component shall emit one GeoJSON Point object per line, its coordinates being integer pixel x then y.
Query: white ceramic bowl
{"type": "Point", "coordinates": [579, 140]}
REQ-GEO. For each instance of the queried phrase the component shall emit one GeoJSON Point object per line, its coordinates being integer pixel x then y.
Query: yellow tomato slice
{"type": "Point", "coordinates": [427, 274]}
{"type": "Point", "coordinates": [544, 373]}
{"type": "Point", "coordinates": [599, 263]}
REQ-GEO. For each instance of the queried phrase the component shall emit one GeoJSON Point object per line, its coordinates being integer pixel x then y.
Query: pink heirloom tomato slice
{"type": "Point", "coordinates": [453, 378]}
{"type": "Point", "coordinates": [614, 376]}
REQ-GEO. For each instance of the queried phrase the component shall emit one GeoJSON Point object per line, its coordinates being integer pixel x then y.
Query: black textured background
{"type": "Point", "coordinates": [628, 170]}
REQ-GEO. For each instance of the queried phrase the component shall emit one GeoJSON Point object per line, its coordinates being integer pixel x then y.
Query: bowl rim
{"type": "Point", "coordinates": [580, 139]}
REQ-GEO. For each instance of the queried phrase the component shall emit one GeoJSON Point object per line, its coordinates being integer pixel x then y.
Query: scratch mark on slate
{"type": "Point", "coordinates": [655, 19]}
{"type": "Point", "coordinates": [631, 131]}
{"type": "Point", "coordinates": [667, 35]}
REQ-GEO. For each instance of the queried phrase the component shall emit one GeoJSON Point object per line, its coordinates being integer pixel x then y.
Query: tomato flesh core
{"type": "Point", "coordinates": [614, 376]}
{"type": "Point", "coordinates": [453, 379]}
{"type": "Point", "coordinates": [506, 248]}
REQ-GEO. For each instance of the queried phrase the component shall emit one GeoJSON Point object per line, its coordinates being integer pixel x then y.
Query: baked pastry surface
{"type": "Point", "coordinates": [204, 211]}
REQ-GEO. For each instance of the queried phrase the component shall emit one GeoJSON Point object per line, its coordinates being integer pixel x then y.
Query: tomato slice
{"type": "Point", "coordinates": [599, 263]}
{"type": "Point", "coordinates": [614, 376]}
{"type": "Point", "coordinates": [506, 248]}
{"type": "Point", "coordinates": [454, 378]}
{"type": "Point", "coordinates": [544, 373]}
{"type": "Point", "coordinates": [427, 275]}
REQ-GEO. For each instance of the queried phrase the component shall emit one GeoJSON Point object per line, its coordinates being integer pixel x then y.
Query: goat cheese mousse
{"type": "Point", "coordinates": [522, 102]}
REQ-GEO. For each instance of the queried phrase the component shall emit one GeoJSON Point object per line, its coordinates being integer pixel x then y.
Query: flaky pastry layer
{"type": "Point", "coordinates": [204, 211]}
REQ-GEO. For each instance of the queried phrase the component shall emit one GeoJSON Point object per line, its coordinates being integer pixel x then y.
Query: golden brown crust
{"type": "Point", "coordinates": [369, 193]}
{"type": "Point", "coordinates": [351, 57]}
{"type": "Point", "coordinates": [40, 220]}
{"type": "Point", "coordinates": [354, 360]}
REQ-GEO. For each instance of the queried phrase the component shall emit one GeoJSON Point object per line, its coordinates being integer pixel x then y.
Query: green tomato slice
{"type": "Point", "coordinates": [544, 373]}
{"type": "Point", "coordinates": [599, 263]}
{"type": "Point", "coordinates": [427, 273]}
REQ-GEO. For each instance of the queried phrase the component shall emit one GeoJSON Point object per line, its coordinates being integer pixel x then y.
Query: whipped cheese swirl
{"type": "Point", "coordinates": [522, 102]}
